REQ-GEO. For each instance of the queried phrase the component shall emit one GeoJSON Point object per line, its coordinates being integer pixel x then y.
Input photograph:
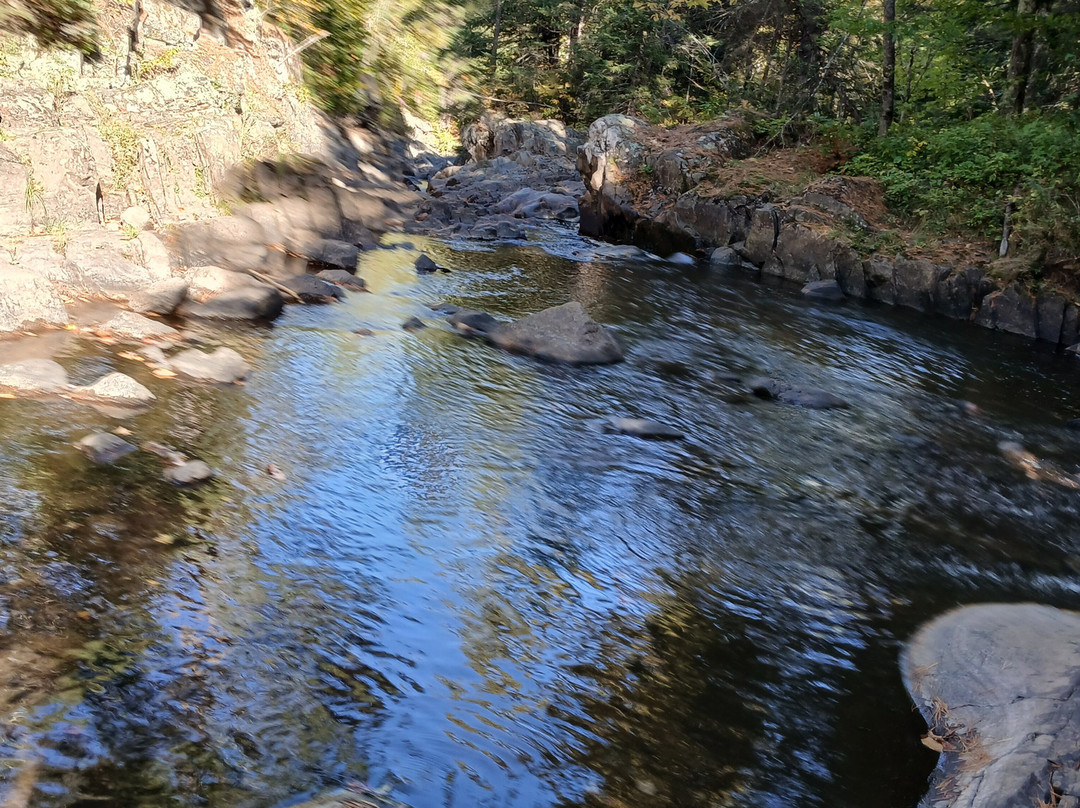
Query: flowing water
{"type": "Point", "coordinates": [467, 591]}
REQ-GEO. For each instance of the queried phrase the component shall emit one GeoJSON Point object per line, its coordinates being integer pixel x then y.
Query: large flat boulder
{"type": "Point", "coordinates": [27, 299]}
{"type": "Point", "coordinates": [34, 376]}
{"type": "Point", "coordinates": [563, 333]}
{"type": "Point", "coordinates": [998, 686]}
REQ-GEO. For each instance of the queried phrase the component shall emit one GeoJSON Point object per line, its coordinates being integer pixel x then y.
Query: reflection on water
{"type": "Point", "coordinates": [467, 591]}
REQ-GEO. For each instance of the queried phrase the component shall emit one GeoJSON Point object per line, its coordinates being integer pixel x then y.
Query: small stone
{"type": "Point", "coordinates": [425, 266]}
{"type": "Point", "coordinates": [469, 322]}
{"type": "Point", "coordinates": [192, 472]}
{"type": "Point", "coordinates": [808, 397]}
{"type": "Point", "coordinates": [34, 376]}
{"type": "Point", "coordinates": [413, 324]}
{"type": "Point", "coordinates": [682, 259]}
{"type": "Point", "coordinates": [725, 258]}
{"type": "Point", "coordinates": [104, 448]}
{"type": "Point", "coordinates": [224, 365]}
{"type": "Point", "coordinates": [313, 290]}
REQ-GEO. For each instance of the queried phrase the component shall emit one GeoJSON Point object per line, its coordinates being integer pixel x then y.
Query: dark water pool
{"type": "Point", "coordinates": [467, 591]}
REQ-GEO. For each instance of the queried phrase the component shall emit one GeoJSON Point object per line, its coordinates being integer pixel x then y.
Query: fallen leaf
{"type": "Point", "coordinates": [931, 741]}
{"type": "Point", "coordinates": [134, 357]}
{"type": "Point", "coordinates": [83, 615]}
{"type": "Point", "coordinates": [165, 538]}
{"type": "Point", "coordinates": [275, 472]}
{"type": "Point", "coordinates": [7, 395]}
{"type": "Point", "coordinates": [122, 431]}
{"type": "Point", "coordinates": [164, 373]}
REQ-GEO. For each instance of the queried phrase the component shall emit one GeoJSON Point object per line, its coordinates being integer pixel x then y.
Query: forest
{"type": "Point", "coordinates": [967, 111]}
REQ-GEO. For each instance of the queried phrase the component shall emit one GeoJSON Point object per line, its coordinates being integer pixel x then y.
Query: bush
{"type": "Point", "coordinates": [963, 175]}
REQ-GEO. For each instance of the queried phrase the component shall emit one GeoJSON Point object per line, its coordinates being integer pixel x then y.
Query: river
{"type": "Point", "coordinates": [466, 590]}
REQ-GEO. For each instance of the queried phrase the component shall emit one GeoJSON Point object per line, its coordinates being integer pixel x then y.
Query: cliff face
{"type": "Point", "coordinates": [665, 190]}
{"type": "Point", "coordinates": [157, 121]}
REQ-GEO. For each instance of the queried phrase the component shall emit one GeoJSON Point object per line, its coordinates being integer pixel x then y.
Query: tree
{"type": "Point", "coordinates": [888, 64]}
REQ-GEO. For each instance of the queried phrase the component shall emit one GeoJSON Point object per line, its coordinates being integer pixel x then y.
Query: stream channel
{"type": "Point", "coordinates": [469, 592]}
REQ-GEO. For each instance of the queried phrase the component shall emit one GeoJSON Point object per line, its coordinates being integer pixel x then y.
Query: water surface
{"type": "Point", "coordinates": [468, 591]}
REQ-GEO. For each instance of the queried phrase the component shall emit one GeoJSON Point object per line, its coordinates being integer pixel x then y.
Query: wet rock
{"type": "Point", "coordinates": [563, 333]}
{"type": "Point", "coordinates": [163, 297]}
{"type": "Point", "coordinates": [823, 290]}
{"type": "Point", "coordinates": [645, 428]}
{"type": "Point", "coordinates": [206, 283]}
{"type": "Point", "coordinates": [224, 366]}
{"type": "Point", "coordinates": [313, 290]}
{"type": "Point", "coordinates": [344, 279]}
{"type": "Point", "coordinates": [1073, 424]}
{"type": "Point", "coordinates": [134, 327]}
{"type": "Point", "coordinates": [808, 397]}
{"type": "Point", "coordinates": [1011, 310]}
{"type": "Point", "coordinates": [999, 687]}
{"type": "Point", "coordinates": [334, 254]}
{"type": "Point", "coordinates": [190, 473]}
{"type": "Point", "coordinates": [34, 376]}
{"type": "Point", "coordinates": [471, 322]}
{"type": "Point", "coordinates": [425, 266]}
{"type": "Point", "coordinates": [725, 258]}
{"type": "Point", "coordinates": [26, 299]}
{"type": "Point", "coordinates": [104, 448]}
{"type": "Point", "coordinates": [413, 324]}
{"type": "Point", "coordinates": [258, 302]}
{"type": "Point", "coordinates": [115, 388]}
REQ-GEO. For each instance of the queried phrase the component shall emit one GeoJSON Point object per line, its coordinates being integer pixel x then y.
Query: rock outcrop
{"type": "Point", "coordinates": [997, 685]}
{"type": "Point", "coordinates": [644, 186]}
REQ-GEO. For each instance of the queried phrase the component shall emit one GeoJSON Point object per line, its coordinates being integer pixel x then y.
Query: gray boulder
{"type": "Point", "coordinates": [189, 473]}
{"type": "Point", "coordinates": [725, 258]}
{"type": "Point", "coordinates": [232, 242]}
{"type": "Point", "coordinates": [206, 283]}
{"type": "Point", "coordinates": [425, 266]}
{"type": "Point", "coordinates": [224, 365]}
{"type": "Point", "coordinates": [344, 279]}
{"type": "Point", "coordinates": [163, 297]}
{"type": "Point", "coordinates": [413, 324]}
{"type": "Point", "coordinates": [27, 299]}
{"type": "Point", "coordinates": [823, 290]}
{"type": "Point", "coordinates": [809, 397]}
{"type": "Point", "coordinates": [34, 376]}
{"type": "Point", "coordinates": [104, 448]}
{"type": "Point", "coordinates": [998, 685]}
{"type": "Point", "coordinates": [563, 333]}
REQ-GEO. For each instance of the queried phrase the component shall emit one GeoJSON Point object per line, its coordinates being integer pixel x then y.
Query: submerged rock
{"type": "Point", "coordinates": [470, 322]}
{"type": "Point", "coordinates": [808, 397]}
{"type": "Point", "coordinates": [413, 324]}
{"type": "Point", "coordinates": [313, 290]}
{"type": "Point", "coordinates": [999, 687]}
{"type": "Point", "coordinates": [426, 266]}
{"type": "Point", "coordinates": [563, 333]}
{"type": "Point", "coordinates": [224, 365]}
{"type": "Point", "coordinates": [344, 279]}
{"type": "Point", "coordinates": [34, 376]}
{"type": "Point", "coordinates": [645, 428]}
{"type": "Point", "coordinates": [104, 448]}
{"type": "Point", "coordinates": [191, 472]}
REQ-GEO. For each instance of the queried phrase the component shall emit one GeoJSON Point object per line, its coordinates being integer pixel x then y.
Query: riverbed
{"type": "Point", "coordinates": [468, 591]}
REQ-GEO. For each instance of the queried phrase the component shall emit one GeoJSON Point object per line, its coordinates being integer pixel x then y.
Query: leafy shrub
{"type": "Point", "coordinates": [963, 175]}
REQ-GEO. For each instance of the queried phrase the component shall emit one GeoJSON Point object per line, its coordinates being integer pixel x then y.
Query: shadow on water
{"type": "Point", "coordinates": [466, 590]}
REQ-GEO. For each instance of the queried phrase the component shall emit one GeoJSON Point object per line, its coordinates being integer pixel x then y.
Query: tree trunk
{"type": "Point", "coordinates": [495, 39]}
{"type": "Point", "coordinates": [1020, 57]}
{"type": "Point", "coordinates": [888, 66]}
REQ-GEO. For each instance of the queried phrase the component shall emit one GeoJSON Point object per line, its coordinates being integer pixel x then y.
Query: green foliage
{"type": "Point", "coordinates": [962, 176]}
{"type": "Point", "coordinates": [54, 23]}
{"type": "Point", "coordinates": [164, 63]}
